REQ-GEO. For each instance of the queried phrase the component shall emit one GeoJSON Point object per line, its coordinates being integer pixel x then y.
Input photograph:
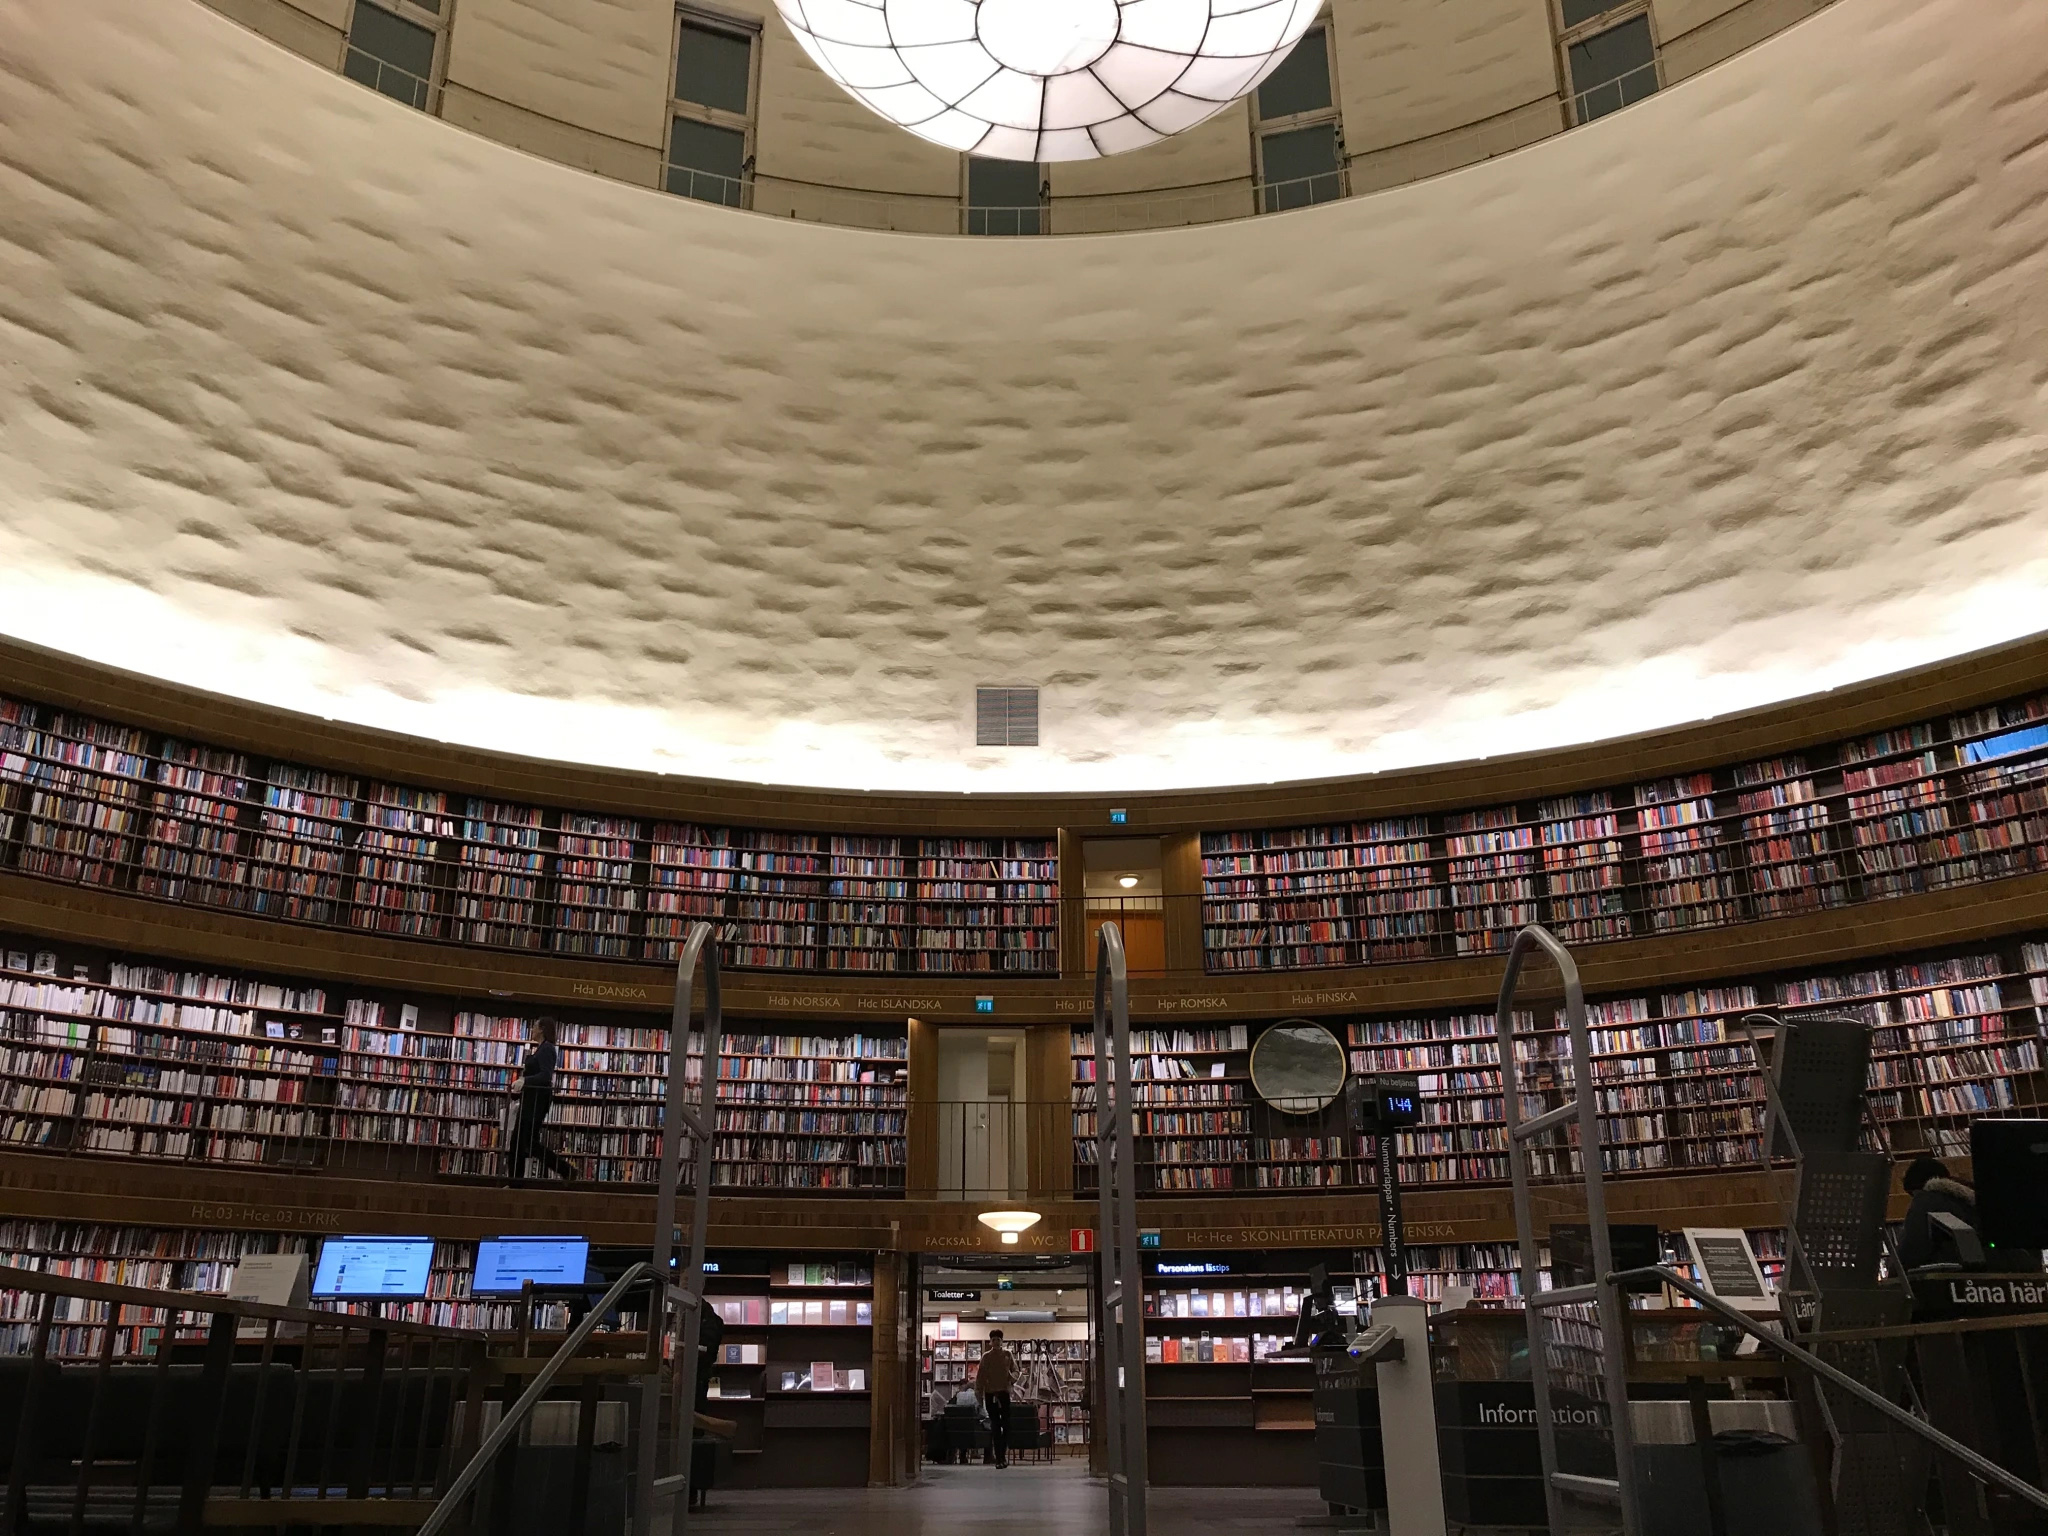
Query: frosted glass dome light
{"type": "Point", "coordinates": [1048, 79]}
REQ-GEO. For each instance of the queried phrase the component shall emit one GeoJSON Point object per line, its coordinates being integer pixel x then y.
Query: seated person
{"type": "Point", "coordinates": [965, 1426]}
{"type": "Point", "coordinates": [1921, 1239]}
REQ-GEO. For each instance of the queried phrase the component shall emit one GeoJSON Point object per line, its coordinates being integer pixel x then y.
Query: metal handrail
{"type": "Point", "coordinates": [508, 1425]}
{"type": "Point", "coordinates": [1123, 1394]}
{"type": "Point", "coordinates": [678, 1117]}
{"type": "Point", "coordinates": [39, 1281]}
{"type": "Point", "coordinates": [1612, 1320]}
{"type": "Point", "coordinates": [1977, 1465]}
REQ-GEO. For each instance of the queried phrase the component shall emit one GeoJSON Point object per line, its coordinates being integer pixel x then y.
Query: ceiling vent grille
{"type": "Point", "coordinates": [1006, 717]}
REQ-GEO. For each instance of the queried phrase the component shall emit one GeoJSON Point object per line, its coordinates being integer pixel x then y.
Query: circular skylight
{"type": "Point", "coordinates": [1048, 79]}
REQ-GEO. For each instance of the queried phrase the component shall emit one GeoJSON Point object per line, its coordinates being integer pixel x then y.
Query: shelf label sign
{"type": "Point", "coordinates": [1081, 1240]}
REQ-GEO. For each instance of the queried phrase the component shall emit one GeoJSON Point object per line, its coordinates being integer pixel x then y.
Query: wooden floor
{"type": "Point", "coordinates": [1058, 1500]}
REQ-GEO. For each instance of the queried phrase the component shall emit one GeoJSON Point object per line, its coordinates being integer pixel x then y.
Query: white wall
{"type": "Point", "coordinates": [1426, 86]}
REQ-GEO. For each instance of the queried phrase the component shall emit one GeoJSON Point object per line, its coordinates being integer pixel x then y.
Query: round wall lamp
{"type": "Point", "coordinates": [1127, 881]}
{"type": "Point", "coordinates": [1009, 1223]}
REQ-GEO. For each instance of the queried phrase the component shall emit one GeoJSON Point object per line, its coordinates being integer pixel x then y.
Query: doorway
{"type": "Point", "coordinates": [984, 1148]}
{"type": "Point", "coordinates": [1122, 882]}
{"type": "Point", "coordinates": [1044, 1307]}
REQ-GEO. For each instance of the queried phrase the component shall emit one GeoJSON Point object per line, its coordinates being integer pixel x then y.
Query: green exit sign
{"type": "Point", "coordinates": [1148, 1237]}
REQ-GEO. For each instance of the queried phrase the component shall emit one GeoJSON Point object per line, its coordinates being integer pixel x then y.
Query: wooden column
{"type": "Point", "coordinates": [921, 1173]}
{"type": "Point", "coordinates": [1180, 877]}
{"type": "Point", "coordinates": [1049, 1090]}
{"type": "Point", "coordinates": [892, 1407]}
{"type": "Point", "coordinates": [1074, 954]}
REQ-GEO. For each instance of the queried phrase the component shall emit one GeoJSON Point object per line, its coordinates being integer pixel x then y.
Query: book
{"type": "Point", "coordinates": [823, 1376]}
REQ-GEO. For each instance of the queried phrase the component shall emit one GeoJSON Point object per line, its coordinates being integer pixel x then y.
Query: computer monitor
{"type": "Point", "coordinates": [2009, 1161]}
{"type": "Point", "coordinates": [373, 1268]}
{"type": "Point", "coordinates": [505, 1264]}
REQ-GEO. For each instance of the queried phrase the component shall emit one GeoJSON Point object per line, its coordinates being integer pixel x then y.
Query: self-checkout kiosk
{"type": "Point", "coordinates": [1376, 1439]}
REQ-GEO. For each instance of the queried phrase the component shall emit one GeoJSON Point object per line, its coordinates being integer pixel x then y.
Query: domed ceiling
{"type": "Point", "coordinates": [1735, 395]}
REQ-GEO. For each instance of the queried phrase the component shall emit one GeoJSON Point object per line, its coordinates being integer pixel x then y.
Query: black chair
{"type": "Point", "coordinates": [1028, 1433]}
{"type": "Point", "coordinates": [964, 1430]}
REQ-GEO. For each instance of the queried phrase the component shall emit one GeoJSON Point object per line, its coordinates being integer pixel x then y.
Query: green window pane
{"type": "Point", "coordinates": [1613, 68]}
{"type": "Point", "coordinates": [1576, 11]}
{"type": "Point", "coordinates": [704, 161]}
{"type": "Point", "coordinates": [392, 41]}
{"type": "Point", "coordinates": [1002, 197]}
{"type": "Point", "coordinates": [712, 68]}
{"type": "Point", "coordinates": [1301, 167]}
{"type": "Point", "coordinates": [1302, 82]}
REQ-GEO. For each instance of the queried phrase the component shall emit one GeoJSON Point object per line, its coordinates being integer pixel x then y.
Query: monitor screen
{"type": "Point", "coordinates": [2009, 1160]}
{"type": "Point", "coordinates": [368, 1267]}
{"type": "Point", "coordinates": [504, 1264]}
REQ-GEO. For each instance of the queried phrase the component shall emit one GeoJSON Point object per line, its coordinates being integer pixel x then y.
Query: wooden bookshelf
{"type": "Point", "coordinates": [1911, 809]}
{"type": "Point", "coordinates": [1905, 811]}
{"type": "Point", "coordinates": [138, 1059]}
{"type": "Point", "coordinates": [89, 802]}
{"type": "Point", "coordinates": [1200, 1128]}
{"type": "Point", "coordinates": [785, 1314]}
{"type": "Point", "coordinates": [397, 854]}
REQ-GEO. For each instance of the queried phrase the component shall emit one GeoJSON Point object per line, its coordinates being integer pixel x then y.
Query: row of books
{"type": "Point", "coordinates": [1913, 809]}
{"type": "Point", "coordinates": [110, 805]}
{"type": "Point", "coordinates": [800, 1111]}
{"type": "Point", "coordinates": [1675, 1079]}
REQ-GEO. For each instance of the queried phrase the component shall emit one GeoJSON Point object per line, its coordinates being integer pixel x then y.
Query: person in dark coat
{"type": "Point", "coordinates": [1921, 1242]}
{"type": "Point", "coordinates": [536, 1098]}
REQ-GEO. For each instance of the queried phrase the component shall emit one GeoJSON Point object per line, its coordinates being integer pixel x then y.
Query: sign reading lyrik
{"type": "Point", "coordinates": [262, 1216]}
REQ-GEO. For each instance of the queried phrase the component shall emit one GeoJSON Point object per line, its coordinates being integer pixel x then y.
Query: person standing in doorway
{"type": "Point", "coordinates": [536, 1098]}
{"type": "Point", "coordinates": [993, 1379]}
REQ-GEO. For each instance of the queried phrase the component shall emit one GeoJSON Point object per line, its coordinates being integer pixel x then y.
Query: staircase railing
{"type": "Point", "coordinates": [180, 1410]}
{"type": "Point", "coordinates": [1582, 1111]}
{"type": "Point", "coordinates": [509, 1423]}
{"type": "Point", "coordinates": [1123, 1286]}
{"type": "Point", "coordinates": [1794, 1354]}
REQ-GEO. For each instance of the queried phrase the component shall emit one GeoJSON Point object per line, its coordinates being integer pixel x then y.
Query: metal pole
{"type": "Point", "coordinates": [1123, 1287]}
{"type": "Point", "coordinates": [1611, 1309]}
{"type": "Point", "coordinates": [678, 1120]}
{"type": "Point", "coordinates": [1607, 1299]}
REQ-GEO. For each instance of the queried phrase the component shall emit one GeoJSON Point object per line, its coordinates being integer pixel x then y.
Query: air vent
{"type": "Point", "coordinates": [1006, 717]}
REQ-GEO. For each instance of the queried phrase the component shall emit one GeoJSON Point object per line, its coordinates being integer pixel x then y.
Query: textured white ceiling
{"type": "Point", "coordinates": [1729, 397]}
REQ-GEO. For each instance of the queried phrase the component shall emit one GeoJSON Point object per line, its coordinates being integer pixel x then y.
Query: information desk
{"type": "Point", "coordinates": [1980, 1345]}
{"type": "Point", "coordinates": [1691, 1409]}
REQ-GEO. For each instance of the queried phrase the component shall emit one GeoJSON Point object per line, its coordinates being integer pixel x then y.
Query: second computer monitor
{"type": "Point", "coordinates": [505, 1264]}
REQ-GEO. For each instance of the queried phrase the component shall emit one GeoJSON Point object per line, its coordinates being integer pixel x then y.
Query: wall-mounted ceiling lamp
{"type": "Point", "coordinates": [1127, 881]}
{"type": "Point", "coordinates": [1047, 79]}
{"type": "Point", "coordinates": [1009, 1223]}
